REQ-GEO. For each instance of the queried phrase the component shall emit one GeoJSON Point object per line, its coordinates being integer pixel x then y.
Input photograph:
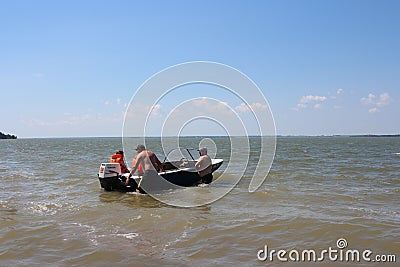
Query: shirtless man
{"type": "Point", "coordinates": [204, 166]}
{"type": "Point", "coordinates": [148, 160]}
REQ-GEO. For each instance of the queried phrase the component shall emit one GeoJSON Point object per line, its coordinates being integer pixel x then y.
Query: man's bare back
{"type": "Point", "coordinates": [145, 161]}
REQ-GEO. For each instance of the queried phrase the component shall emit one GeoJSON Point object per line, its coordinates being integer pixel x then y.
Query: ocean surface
{"type": "Point", "coordinates": [320, 190]}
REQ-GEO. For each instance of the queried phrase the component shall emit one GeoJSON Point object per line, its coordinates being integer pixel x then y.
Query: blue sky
{"type": "Point", "coordinates": [69, 68]}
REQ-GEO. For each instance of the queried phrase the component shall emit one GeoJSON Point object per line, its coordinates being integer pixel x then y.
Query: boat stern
{"type": "Point", "coordinates": [109, 175]}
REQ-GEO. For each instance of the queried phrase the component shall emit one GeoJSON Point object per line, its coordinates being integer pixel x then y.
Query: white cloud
{"type": "Point", "coordinates": [373, 110]}
{"type": "Point", "coordinates": [384, 99]}
{"type": "Point", "coordinates": [301, 105]}
{"type": "Point", "coordinates": [256, 106]}
{"type": "Point", "coordinates": [242, 108]}
{"type": "Point", "coordinates": [370, 100]}
{"type": "Point", "coordinates": [209, 106]}
{"type": "Point", "coordinates": [155, 111]}
{"type": "Point", "coordinates": [202, 115]}
{"type": "Point", "coordinates": [137, 111]}
{"type": "Point", "coordinates": [338, 92]}
{"type": "Point", "coordinates": [310, 99]}
{"type": "Point", "coordinates": [117, 102]}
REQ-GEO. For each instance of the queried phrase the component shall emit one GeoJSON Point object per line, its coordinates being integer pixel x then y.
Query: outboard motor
{"type": "Point", "coordinates": [109, 175]}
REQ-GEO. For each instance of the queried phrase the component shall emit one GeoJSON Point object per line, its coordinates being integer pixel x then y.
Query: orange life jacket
{"type": "Point", "coordinates": [139, 168]}
{"type": "Point", "coordinates": [119, 158]}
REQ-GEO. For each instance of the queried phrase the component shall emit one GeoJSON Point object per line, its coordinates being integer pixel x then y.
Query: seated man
{"type": "Point", "coordinates": [118, 157]}
{"type": "Point", "coordinates": [204, 166]}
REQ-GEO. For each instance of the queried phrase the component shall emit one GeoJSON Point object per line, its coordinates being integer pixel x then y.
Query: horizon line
{"type": "Point", "coordinates": [221, 136]}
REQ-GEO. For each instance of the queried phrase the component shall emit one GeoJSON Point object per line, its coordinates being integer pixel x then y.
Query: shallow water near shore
{"type": "Point", "coordinates": [320, 189]}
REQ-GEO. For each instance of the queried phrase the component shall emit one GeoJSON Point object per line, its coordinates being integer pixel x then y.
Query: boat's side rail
{"type": "Point", "coordinates": [179, 164]}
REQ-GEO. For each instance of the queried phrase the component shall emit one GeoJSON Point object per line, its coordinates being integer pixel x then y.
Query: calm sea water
{"type": "Point", "coordinates": [54, 213]}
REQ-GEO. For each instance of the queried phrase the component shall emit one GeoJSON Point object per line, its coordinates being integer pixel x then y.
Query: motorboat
{"type": "Point", "coordinates": [178, 169]}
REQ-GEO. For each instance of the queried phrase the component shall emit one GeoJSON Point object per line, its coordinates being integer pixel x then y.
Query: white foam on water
{"type": "Point", "coordinates": [136, 218]}
{"type": "Point", "coordinates": [129, 235]}
{"type": "Point", "coordinates": [43, 208]}
{"type": "Point", "coordinates": [135, 193]}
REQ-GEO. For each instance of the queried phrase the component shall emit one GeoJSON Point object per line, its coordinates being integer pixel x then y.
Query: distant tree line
{"type": "Point", "coordinates": [7, 136]}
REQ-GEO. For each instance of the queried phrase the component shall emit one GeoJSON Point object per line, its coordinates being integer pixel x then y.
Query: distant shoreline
{"type": "Point", "coordinates": [7, 136]}
{"type": "Point", "coordinates": [222, 136]}
{"type": "Point", "coordinates": [377, 135]}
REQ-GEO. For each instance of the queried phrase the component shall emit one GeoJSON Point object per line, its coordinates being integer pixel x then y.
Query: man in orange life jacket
{"type": "Point", "coordinates": [118, 157]}
{"type": "Point", "coordinates": [145, 161]}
